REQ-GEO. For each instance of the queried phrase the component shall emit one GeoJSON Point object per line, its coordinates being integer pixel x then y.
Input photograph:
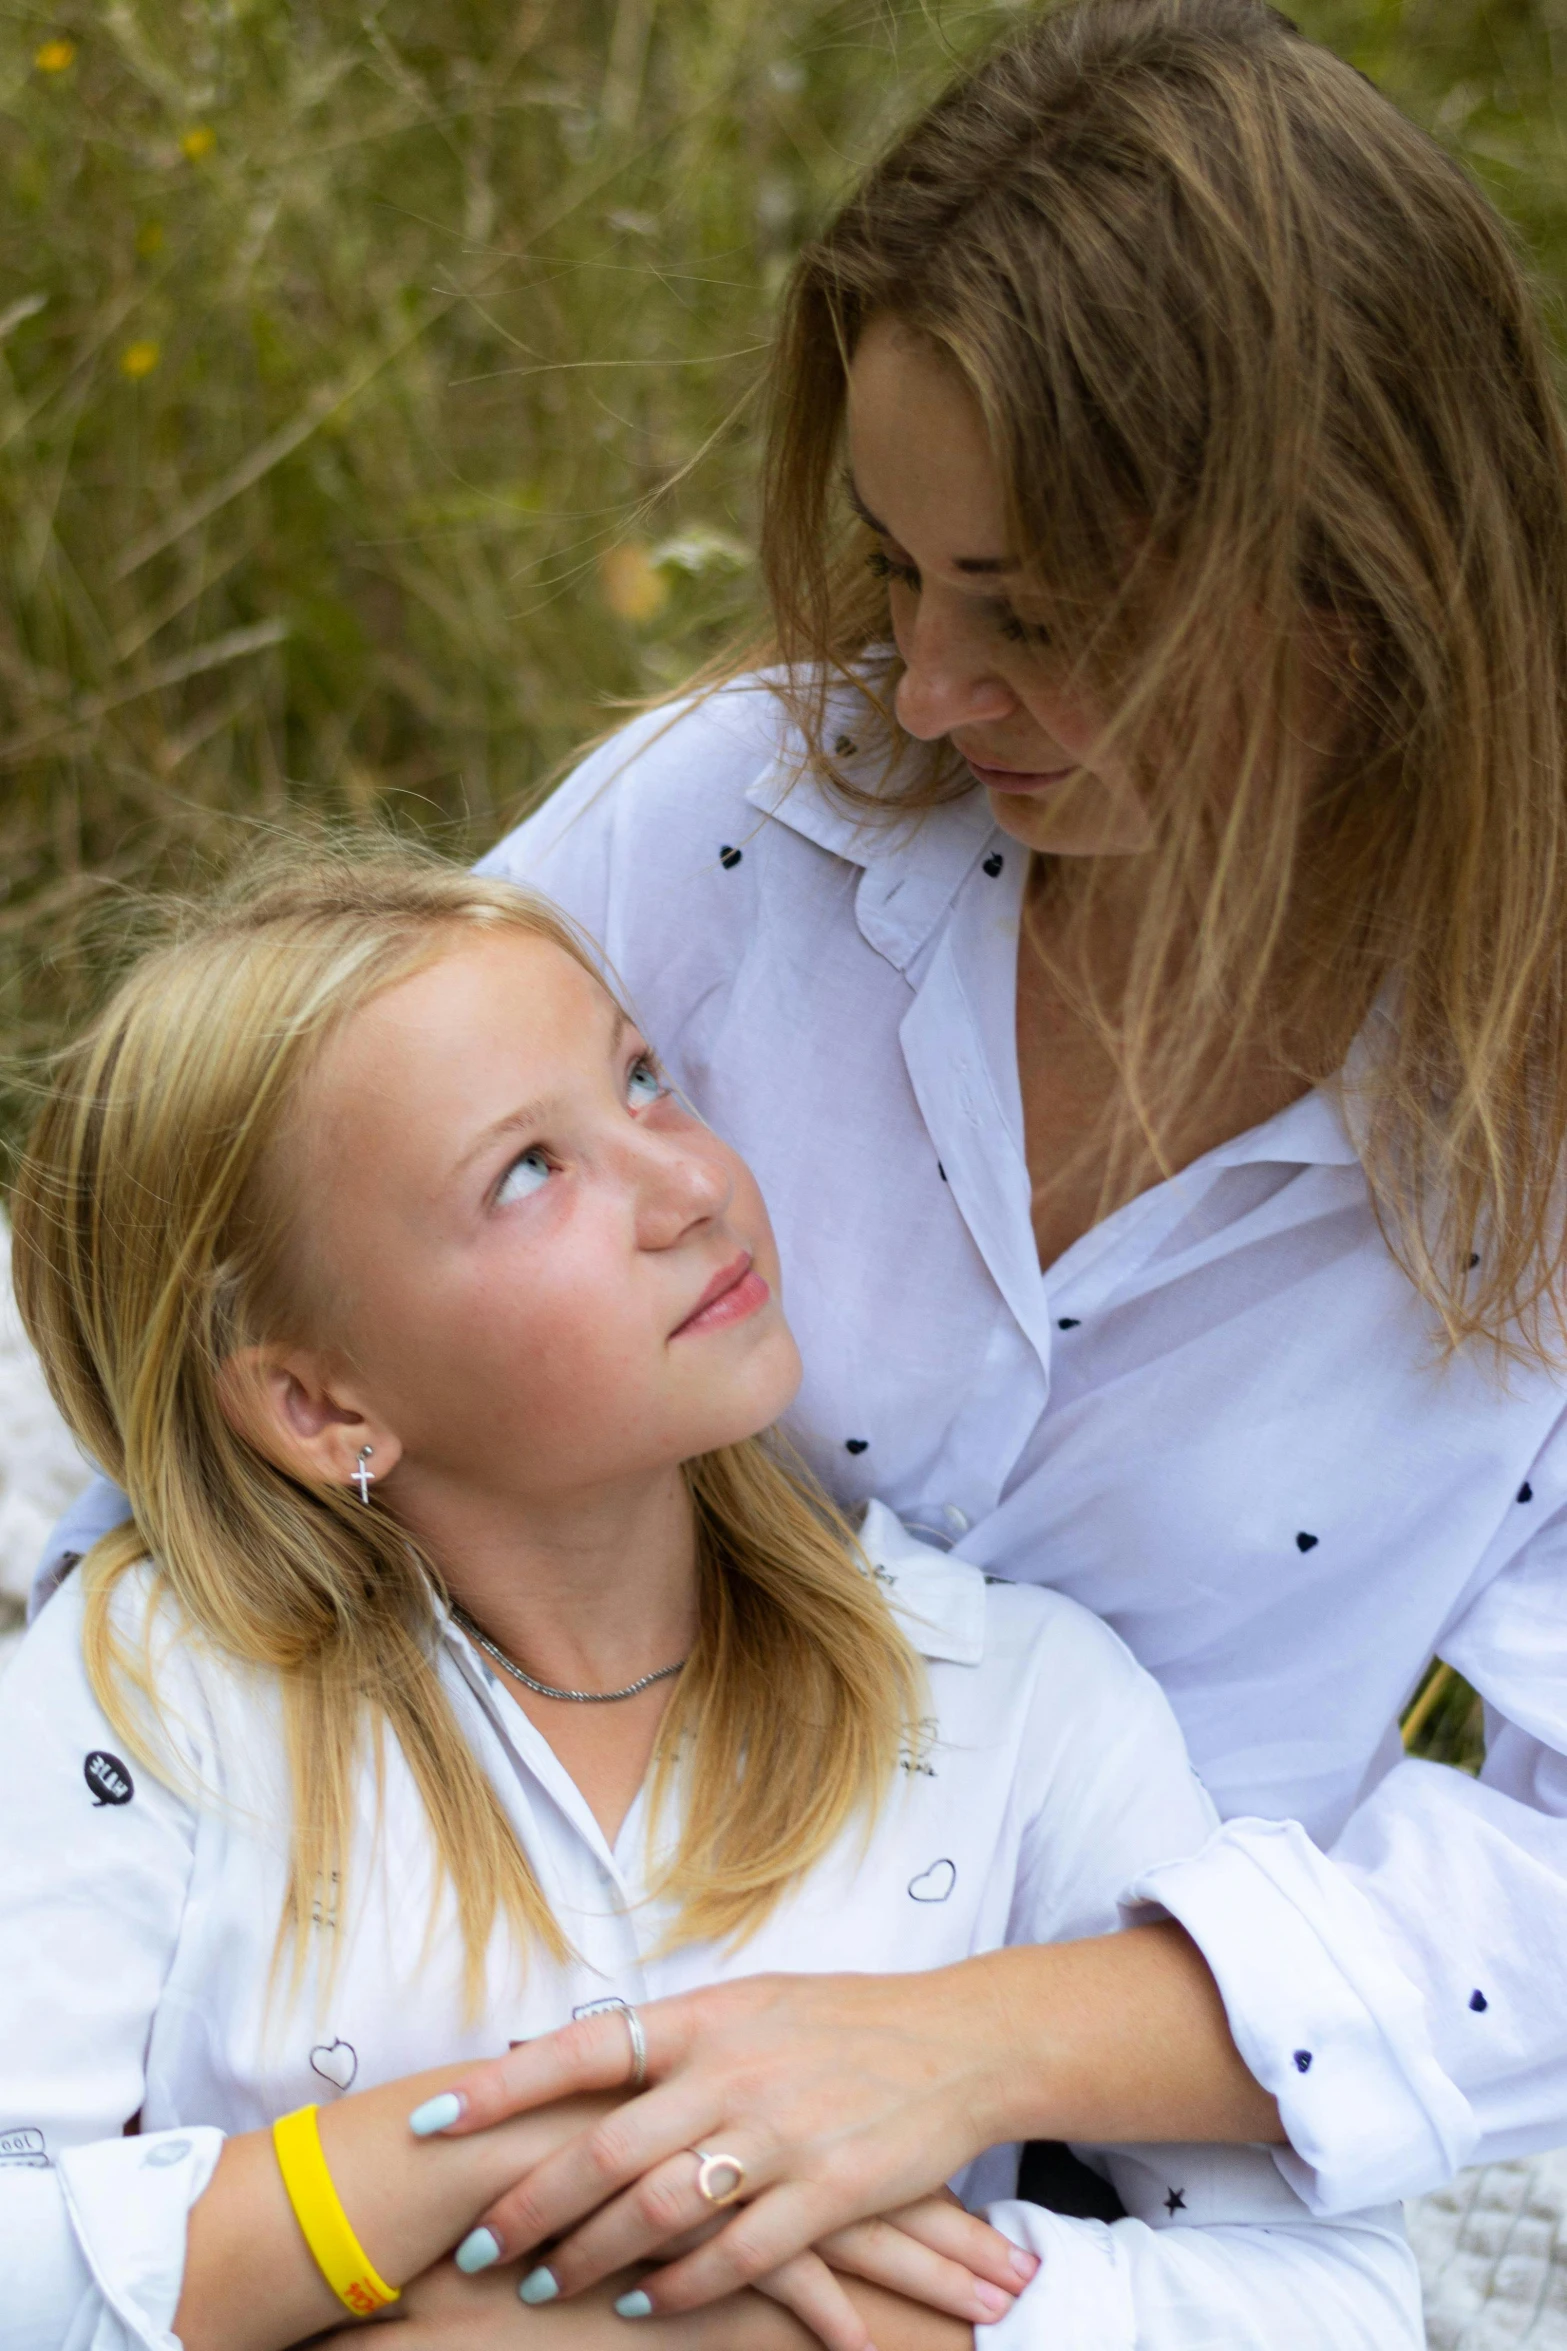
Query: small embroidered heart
{"type": "Point", "coordinates": [934, 1884]}
{"type": "Point", "coordinates": [1526, 1492]}
{"type": "Point", "coordinates": [994, 863]}
{"type": "Point", "coordinates": [1306, 1542]}
{"type": "Point", "coordinates": [1303, 2061]}
{"type": "Point", "coordinates": [855, 1444]}
{"type": "Point", "coordinates": [845, 746]}
{"type": "Point", "coordinates": [336, 2062]}
{"type": "Point", "coordinates": [729, 858]}
{"type": "Point", "coordinates": [1479, 2003]}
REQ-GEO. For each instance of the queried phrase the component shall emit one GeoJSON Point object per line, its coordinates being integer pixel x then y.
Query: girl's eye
{"type": "Point", "coordinates": [525, 1176]}
{"type": "Point", "coordinates": [1021, 632]}
{"type": "Point", "coordinates": [885, 569]}
{"type": "Point", "coordinates": [644, 1085]}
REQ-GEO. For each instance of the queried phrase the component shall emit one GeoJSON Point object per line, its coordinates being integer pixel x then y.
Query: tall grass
{"type": "Point", "coordinates": [378, 388]}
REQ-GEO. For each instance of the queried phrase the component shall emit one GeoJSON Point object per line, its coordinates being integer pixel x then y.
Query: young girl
{"type": "Point", "coordinates": [470, 1662]}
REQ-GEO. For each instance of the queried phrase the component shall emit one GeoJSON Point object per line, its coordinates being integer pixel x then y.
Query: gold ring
{"type": "Point", "coordinates": [719, 2178]}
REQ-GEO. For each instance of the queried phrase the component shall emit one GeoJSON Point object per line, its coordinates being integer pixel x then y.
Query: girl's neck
{"type": "Point", "coordinates": [588, 1591]}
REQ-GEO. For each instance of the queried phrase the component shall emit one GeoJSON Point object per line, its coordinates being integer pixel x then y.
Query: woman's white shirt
{"type": "Point", "coordinates": [138, 1917]}
{"type": "Point", "coordinates": [1218, 1420]}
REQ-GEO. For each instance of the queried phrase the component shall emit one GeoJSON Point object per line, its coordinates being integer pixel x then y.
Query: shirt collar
{"type": "Point", "coordinates": [913, 866]}
{"type": "Point", "coordinates": [939, 1602]}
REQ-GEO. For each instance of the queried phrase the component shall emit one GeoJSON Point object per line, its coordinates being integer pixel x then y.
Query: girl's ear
{"type": "Point", "coordinates": [307, 1421]}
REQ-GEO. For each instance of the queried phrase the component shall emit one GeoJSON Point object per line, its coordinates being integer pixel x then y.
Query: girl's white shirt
{"type": "Point", "coordinates": [139, 1912]}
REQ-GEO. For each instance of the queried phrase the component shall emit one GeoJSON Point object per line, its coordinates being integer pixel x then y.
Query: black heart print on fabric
{"type": "Point", "coordinates": [934, 1884]}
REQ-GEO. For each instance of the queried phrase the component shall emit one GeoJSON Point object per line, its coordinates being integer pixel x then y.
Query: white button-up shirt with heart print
{"type": "Point", "coordinates": [1217, 1420]}
{"type": "Point", "coordinates": [138, 1914]}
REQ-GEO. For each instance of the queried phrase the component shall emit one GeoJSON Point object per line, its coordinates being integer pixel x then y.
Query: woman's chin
{"type": "Point", "coordinates": [1071, 821]}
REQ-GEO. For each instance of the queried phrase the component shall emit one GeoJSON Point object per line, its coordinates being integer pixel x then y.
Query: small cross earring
{"type": "Point", "coordinates": [363, 1478]}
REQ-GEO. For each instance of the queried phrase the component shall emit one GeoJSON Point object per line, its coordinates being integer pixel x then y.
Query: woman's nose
{"type": "Point", "coordinates": [948, 679]}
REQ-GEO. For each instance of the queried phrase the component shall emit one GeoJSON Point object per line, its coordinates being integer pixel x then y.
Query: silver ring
{"type": "Point", "coordinates": [720, 2178]}
{"type": "Point", "coordinates": [638, 2046]}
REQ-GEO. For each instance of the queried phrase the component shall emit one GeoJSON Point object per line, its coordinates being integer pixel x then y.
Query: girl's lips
{"type": "Point", "coordinates": [729, 1297]}
{"type": "Point", "coordinates": [1014, 779]}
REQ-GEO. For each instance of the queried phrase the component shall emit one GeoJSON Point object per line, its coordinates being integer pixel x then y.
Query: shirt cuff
{"type": "Point", "coordinates": [1079, 2298]}
{"type": "Point", "coordinates": [1322, 2015]}
{"type": "Point", "coordinates": [129, 2202]}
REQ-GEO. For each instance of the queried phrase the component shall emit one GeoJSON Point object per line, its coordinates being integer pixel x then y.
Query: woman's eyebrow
{"type": "Point", "coordinates": [986, 565]}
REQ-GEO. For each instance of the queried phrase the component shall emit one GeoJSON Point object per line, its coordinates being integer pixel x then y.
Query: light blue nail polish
{"type": "Point", "coordinates": [634, 2305]}
{"type": "Point", "coordinates": [538, 2286]}
{"type": "Point", "coordinates": [477, 2250]}
{"type": "Point", "coordinates": [436, 2114]}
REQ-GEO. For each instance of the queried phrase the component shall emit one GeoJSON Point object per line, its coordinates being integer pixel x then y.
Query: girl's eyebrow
{"type": "Point", "coordinates": [537, 1112]}
{"type": "Point", "coordinates": [986, 565]}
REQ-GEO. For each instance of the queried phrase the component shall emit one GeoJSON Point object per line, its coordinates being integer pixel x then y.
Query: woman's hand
{"type": "Point", "coordinates": [843, 2096]}
{"type": "Point", "coordinates": [847, 2096]}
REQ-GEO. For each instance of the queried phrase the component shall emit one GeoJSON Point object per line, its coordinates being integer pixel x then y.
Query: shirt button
{"type": "Point", "coordinates": [955, 1520]}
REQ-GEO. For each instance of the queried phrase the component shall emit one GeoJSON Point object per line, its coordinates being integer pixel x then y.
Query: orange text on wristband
{"type": "Point", "coordinates": [324, 2224]}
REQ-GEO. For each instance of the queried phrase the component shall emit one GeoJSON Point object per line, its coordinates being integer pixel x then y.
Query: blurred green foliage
{"type": "Point", "coordinates": [378, 390]}
{"type": "Point", "coordinates": [378, 384]}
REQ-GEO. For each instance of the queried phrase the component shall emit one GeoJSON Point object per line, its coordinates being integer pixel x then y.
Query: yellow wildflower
{"type": "Point", "coordinates": [631, 584]}
{"type": "Point", "coordinates": [139, 359]}
{"type": "Point", "coordinates": [54, 56]}
{"type": "Point", "coordinates": [198, 142]}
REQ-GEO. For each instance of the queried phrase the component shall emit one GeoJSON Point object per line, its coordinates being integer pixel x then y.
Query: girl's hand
{"type": "Point", "coordinates": [443, 2310]}
{"type": "Point", "coordinates": [931, 2253]}
{"type": "Point", "coordinates": [843, 2096]}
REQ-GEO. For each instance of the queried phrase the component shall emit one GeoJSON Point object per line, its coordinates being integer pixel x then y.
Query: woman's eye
{"type": "Point", "coordinates": [644, 1085]}
{"type": "Point", "coordinates": [886, 569]}
{"type": "Point", "coordinates": [525, 1176]}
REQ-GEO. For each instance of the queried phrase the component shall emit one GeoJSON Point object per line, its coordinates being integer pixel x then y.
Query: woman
{"type": "Point", "coordinates": [1126, 932]}
{"type": "Point", "coordinates": [432, 1334]}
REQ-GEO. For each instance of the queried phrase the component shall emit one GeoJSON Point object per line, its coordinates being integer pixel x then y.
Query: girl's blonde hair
{"type": "Point", "coordinates": [149, 1248]}
{"type": "Point", "coordinates": [1268, 396]}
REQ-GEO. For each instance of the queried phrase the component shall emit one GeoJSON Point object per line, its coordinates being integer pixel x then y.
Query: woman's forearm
{"type": "Point", "coordinates": [251, 2282]}
{"type": "Point", "coordinates": [1118, 2038]}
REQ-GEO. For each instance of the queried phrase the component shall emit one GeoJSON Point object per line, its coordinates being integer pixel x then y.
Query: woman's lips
{"type": "Point", "coordinates": [729, 1297]}
{"type": "Point", "coordinates": [1017, 779]}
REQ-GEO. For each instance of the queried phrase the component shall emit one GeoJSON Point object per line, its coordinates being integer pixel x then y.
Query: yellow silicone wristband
{"type": "Point", "coordinates": [339, 2256]}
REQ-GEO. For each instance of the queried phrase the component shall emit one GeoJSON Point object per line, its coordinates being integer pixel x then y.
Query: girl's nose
{"type": "Point", "coordinates": [685, 1181]}
{"type": "Point", "coordinates": [948, 676]}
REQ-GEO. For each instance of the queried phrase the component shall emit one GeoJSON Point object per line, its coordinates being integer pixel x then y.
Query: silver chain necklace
{"type": "Point", "coordinates": [542, 1689]}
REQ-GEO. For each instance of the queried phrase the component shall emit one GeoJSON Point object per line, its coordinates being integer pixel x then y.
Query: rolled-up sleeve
{"type": "Point", "coordinates": [1401, 1993]}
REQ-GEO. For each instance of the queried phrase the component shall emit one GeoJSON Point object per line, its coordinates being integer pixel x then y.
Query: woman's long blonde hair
{"type": "Point", "coordinates": [1268, 394]}
{"type": "Point", "coordinates": [149, 1246]}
